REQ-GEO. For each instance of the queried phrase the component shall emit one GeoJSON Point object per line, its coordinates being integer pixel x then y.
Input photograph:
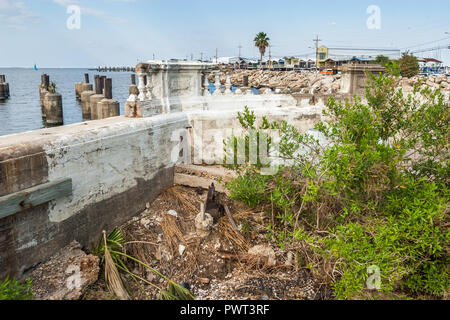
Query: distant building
{"type": "Point", "coordinates": [431, 65]}
{"type": "Point", "coordinates": [322, 55]}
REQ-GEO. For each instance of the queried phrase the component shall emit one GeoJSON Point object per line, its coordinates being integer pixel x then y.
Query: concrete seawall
{"type": "Point", "coordinates": [116, 166]}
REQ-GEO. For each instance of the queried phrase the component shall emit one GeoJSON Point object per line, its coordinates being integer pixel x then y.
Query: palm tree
{"type": "Point", "coordinates": [261, 42]}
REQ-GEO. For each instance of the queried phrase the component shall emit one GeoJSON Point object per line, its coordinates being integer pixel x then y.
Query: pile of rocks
{"type": "Point", "coordinates": [435, 82]}
{"type": "Point", "coordinates": [65, 275]}
{"type": "Point", "coordinates": [316, 83]}
{"type": "Point", "coordinates": [288, 82]}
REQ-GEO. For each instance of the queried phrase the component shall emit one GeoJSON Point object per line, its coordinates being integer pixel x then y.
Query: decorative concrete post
{"type": "Point", "coordinates": [206, 91]}
{"type": "Point", "coordinates": [131, 103]}
{"type": "Point", "coordinates": [141, 86]}
{"type": "Point", "coordinates": [228, 85]}
{"type": "Point", "coordinates": [149, 85]}
{"type": "Point", "coordinates": [217, 84]}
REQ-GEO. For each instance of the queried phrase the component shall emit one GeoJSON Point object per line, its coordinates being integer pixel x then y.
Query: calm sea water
{"type": "Point", "coordinates": [22, 111]}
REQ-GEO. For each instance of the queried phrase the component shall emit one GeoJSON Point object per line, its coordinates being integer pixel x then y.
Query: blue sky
{"type": "Point", "coordinates": [121, 32]}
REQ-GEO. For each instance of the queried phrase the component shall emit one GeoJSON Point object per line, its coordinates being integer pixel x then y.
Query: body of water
{"type": "Point", "coordinates": [22, 111]}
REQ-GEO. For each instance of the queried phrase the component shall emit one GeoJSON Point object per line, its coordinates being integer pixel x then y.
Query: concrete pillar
{"type": "Point", "coordinates": [4, 88]}
{"type": "Point", "coordinates": [86, 87]}
{"type": "Point", "coordinates": [2, 91]}
{"type": "Point", "coordinates": [102, 84]}
{"type": "Point", "coordinates": [108, 107]}
{"type": "Point", "coordinates": [78, 90]}
{"type": "Point", "coordinates": [53, 109]}
{"type": "Point", "coordinates": [96, 98]}
{"type": "Point", "coordinates": [85, 104]}
{"type": "Point", "coordinates": [43, 91]}
{"type": "Point", "coordinates": [7, 89]}
{"type": "Point", "coordinates": [108, 88]}
{"type": "Point", "coordinates": [354, 77]}
{"type": "Point", "coordinates": [80, 87]}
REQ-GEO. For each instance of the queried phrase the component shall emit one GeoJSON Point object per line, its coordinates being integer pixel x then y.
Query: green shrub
{"type": "Point", "coordinates": [10, 289]}
{"type": "Point", "coordinates": [409, 65]}
{"type": "Point", "coordinates": [376, 195]}
{"type": "Point", "coordinates": [249, 188]}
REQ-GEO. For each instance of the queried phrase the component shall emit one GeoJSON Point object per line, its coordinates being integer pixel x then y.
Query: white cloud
{"type": "Point", "coordinates": [16, 14]}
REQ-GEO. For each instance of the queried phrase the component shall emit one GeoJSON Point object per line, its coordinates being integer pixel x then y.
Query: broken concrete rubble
{"type": "Point", "coordinates": [264, 251]}
{"type": "Point", "coordinates": [65, 275]}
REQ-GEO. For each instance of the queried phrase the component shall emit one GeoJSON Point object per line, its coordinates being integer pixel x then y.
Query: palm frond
{"type": "Point", "coordinates": [112, 276]}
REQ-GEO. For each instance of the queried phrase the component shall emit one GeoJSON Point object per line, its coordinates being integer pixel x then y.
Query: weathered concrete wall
{"type": "Point", "coordinates": [117, 165]}
{"type": "Point", "coordinates": [210, 129]}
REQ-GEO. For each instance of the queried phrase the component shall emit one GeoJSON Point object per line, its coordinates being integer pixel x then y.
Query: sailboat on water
{"type": "Point", "coordinates": [35, 67]}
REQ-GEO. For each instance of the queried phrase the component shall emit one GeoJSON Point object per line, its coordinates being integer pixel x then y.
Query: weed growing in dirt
{"type": "Point", "coordinates": [11, 289]}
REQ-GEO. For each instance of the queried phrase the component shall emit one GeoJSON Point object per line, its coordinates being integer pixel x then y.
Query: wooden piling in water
{"type": "Point", "coordinates": [4, 88]}
{"type": "Point", "coordinates": [81, 87]}
{"type": "Point", "coordinates": [43, 90]}
{"type": "Point", "coordinates": [108, 107]}
{"type": "Point", "coordinates": [97, 97]}
{"type": "Point", "coordinates": [51, 103]}
{"type": "Point", "coordinates": [53, 109]}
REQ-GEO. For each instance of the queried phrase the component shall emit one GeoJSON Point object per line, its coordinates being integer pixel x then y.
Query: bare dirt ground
{"type": "Point", "coordinates": [214, 267]}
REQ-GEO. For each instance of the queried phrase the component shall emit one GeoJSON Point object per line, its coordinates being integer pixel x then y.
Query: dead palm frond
{"type": "Point", "coordinates": [110, 249]}
{"type": "Point", "coordinates": [112, 276]}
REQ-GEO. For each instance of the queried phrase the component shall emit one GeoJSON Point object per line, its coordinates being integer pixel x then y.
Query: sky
{"type": "Point", "coordinates": [123, 32]}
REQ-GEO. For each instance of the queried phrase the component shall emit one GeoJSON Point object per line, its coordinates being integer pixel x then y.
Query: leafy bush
{"type": "Point", "coordinates": [409, 65]}
{"type": "Point", "coordinates": [10, 289]}
{"type": "Point", "coordinates": [375, 195]}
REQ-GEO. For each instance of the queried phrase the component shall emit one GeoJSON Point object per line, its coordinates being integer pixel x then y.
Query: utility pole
{"type": "Point", "coordinates": [240, 47]}
{"type": "Point", "coordinates": [217, 54]}
{"type": "Point", "coordinates": [201, 56]}
{"type": "Point", "coordinates": [270, 57]}
{"type": "Point", "coordinates": [317, 51]}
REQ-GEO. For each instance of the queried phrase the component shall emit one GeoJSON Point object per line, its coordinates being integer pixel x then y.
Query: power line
{"type": "Point", "coordinates": [431, 49]}
{"type": "Point", "coordinates": [425, 43]}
